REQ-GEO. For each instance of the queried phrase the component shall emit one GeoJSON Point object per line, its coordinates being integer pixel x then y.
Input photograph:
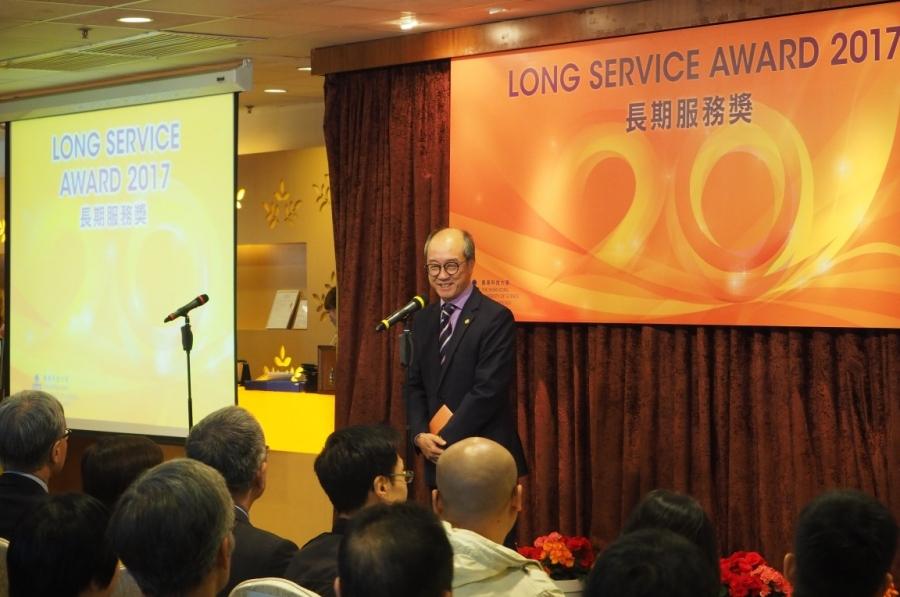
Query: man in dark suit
{"type": "Point", "coordinates": [359, 467]}
{"type": "Point", "coordinates": [463, 358]}
{"type": "Point", "coordinates": [33, 446]}
{"type": "Point", "coordinates": [231, 441]}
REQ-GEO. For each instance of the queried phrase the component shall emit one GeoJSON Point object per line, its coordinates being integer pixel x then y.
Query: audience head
{"type": "Point", "coordinates": [844, 545]}
{"type": "Point", "coordinates": [652, 562]}
{"type": "Point", "coordinates": [477, 487]}
{"type": "Point", "coordinates": [172, 529]}
{"type": "Point", "coordinates": [33, 434]}
{"type": "Point", "coordinates": [359, 466]}
{"type": "Point", "coordinates": [679, 513]}
{"type": "Point", "coordinates": [231, 441]}
{"type": "Point", "coordinates": [111, 464]}
{"type": "Point", "coordinates": [59, 548]}
{"type": "Point", "coordinates": [394, 549]}
{"type": "Point", "coordinates": [330, 304]}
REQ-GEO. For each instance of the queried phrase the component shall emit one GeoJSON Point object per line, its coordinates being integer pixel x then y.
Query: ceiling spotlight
{"type": "Point", "coordinates": [496, 10]}
{"type": "Point", "coordinates": [275, 90]}
{"type": "Point", "coordinates": [408, 21]}
{"type": "Point", "coordinates": [135, 20]}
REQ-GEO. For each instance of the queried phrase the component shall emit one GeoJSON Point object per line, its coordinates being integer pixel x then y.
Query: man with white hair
{"type": "Point", "coordinates": [33, 447]}
{"type": "Point", "coordinates": [479, 499]}
{"type": "Point", "coordinates": [231, 441]}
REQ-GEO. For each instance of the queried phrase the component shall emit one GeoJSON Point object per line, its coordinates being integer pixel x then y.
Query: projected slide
{"type": "Point", "coordinates": [117, 218]}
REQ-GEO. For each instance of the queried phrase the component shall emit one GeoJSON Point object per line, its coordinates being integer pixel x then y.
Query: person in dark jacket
{"type": "Point", "coordinates": [358, 467]}
{"type": "Point", "coordinates": [33, 447]}
{"type": "Point", "coordinates": [463, 359]}
{"type": "Point", "coordinates": [231, 441]}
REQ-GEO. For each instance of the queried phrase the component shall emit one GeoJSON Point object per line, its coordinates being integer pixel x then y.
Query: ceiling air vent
{"type": "Point", "coordinates": [155, 44]}
{"type": "Point", "coordinates": [67, 61]}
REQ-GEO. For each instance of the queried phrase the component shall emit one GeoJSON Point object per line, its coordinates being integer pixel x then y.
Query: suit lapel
{"type": "Point", "coordinates": [470, 310]}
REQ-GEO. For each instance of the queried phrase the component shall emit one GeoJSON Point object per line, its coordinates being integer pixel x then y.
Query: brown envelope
{"type": "Point", "coordinates": [439, 420]}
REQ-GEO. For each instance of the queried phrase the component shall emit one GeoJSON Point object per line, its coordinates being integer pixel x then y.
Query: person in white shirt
{"type": "Point", "coordinates": [478, 498]}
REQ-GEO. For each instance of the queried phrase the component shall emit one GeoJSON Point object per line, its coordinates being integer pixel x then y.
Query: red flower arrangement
{"type": "Point", "coordinates": [746, 574]}
{"type": "Point", "coordinates": [564, 558]}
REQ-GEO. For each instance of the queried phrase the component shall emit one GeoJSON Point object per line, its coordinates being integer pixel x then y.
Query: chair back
{"type": "Point", "coordinates": [270, 587]}
{"type": "Point", "coordinates": [126, 586]}
{"type": "Point", "coordinates": [4, 575]}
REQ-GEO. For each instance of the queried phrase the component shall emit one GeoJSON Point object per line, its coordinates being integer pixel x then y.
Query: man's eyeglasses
{"type": "Point", "coordinates": [65, 434]}
{"type": "Point", "coordinates": [451, 267]}
{"type": "Point", "coordinates": [408, 476]}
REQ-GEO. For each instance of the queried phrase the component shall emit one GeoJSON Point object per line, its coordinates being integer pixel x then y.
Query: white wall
{"type": "Point", "coordinates": [279, 128]}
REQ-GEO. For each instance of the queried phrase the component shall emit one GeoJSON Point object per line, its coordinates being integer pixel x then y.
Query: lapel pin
{"type": "Point", "coordinates": [466, 322]}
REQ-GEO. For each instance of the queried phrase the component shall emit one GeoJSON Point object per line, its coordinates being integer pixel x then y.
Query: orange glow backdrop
{"type": "Point", "coordinates": [740, 174]}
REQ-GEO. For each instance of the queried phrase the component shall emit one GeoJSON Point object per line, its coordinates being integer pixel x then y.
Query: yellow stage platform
{"type": "Point", "coordinates": [296, 422]}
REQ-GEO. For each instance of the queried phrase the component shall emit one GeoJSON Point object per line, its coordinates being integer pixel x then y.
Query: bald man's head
{"type": "Point", "coordinates": [476, 480]}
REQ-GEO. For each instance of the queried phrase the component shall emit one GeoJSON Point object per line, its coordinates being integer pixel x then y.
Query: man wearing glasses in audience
{"type": "Point", "coordinates": [358, 467]}
{"type": "Point", "coordinates": [33, 446]}
{"type": "Point", "coordinates": [463, 358]}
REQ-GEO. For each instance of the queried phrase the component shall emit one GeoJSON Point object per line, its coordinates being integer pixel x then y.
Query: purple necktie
{"type": "Point", "coordinates": [446, 329]}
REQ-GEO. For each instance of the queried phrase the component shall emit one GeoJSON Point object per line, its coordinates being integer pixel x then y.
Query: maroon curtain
{"type": "Point", "coordinates": [752, 421]}
{"type": "Point", "coordinates": [388, 142]}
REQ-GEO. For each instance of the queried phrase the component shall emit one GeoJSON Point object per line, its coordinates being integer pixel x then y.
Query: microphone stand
{"type": "Point", "coordinates": [187, 342]}
{"type": "Point", "coordinates": [406, 344]}
{"type": "Point", "coordinates": [406, 357]}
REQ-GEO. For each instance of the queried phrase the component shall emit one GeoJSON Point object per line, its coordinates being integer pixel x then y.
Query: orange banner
{"type": "Point", "coordinates": [740, 174]}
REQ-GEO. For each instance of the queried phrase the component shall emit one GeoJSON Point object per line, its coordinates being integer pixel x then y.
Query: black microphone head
{"type": "Point", "coordinates": [200, 300]}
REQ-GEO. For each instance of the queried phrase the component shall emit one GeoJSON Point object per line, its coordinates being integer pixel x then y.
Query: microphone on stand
{"type": "Point", "coordinates": [402, 313]}
{"type": "Point", "coordinates": [181, 312]}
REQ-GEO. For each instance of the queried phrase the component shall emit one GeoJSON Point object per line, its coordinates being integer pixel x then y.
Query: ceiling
{"type": "Point", "coordinates": [46, 44]}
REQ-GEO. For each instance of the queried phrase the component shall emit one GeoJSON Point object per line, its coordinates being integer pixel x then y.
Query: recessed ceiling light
{"type": "Point", "coordinates": [408, 22]}
{"type": "Point", "coordinates": [135, 20]}
{"type": "Point", "coordinates": [496, 10]}
{"type": "Point", "coordinates": [275, 90]}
